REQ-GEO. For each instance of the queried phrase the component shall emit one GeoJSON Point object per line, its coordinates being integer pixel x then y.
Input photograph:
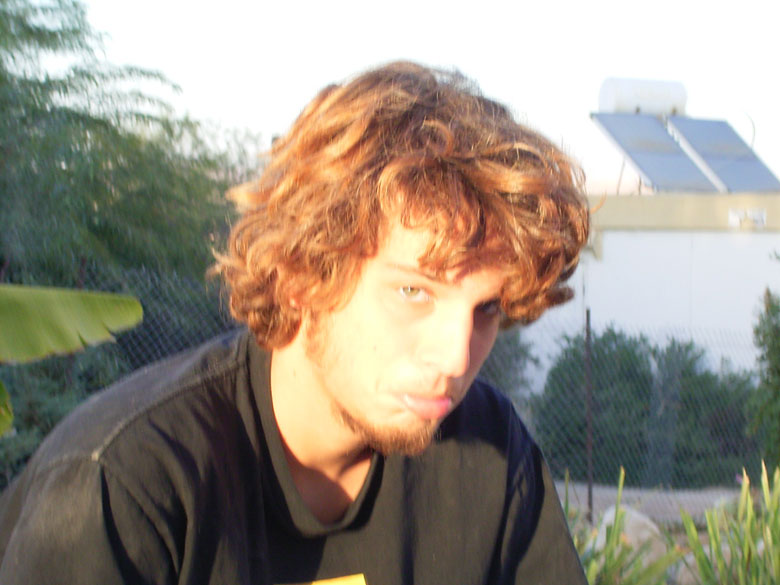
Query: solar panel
{"type": "Point", "coordinates": [723, 155]}
{"type": "Point", "coordinates": [658, 159]}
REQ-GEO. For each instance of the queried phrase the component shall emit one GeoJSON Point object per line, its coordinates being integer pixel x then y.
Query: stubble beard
{"type": "Point", "coordinates": [387, 441]}
{"type": "Point", "coordinates": [384, 440]}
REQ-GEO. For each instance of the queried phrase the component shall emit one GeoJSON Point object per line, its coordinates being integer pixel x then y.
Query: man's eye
{"type": "Point", "coordinates": [490, 308]}
{"type": "Point", "coordinates": [414, 294]}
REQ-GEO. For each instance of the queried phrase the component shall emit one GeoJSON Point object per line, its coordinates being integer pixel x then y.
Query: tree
{"type": "Point", "coordinates": [106, 174]}
{"type": "Point", "coordinates": [658, 412]}
{"type": "Point", "coordinates": [709, 440]}
{"type": "Point", "coordinates": [98, 183]}
{"type": "Point", "coordinates": [621, 380]}
{"type": "Point", "coordinates": [767, 338]}
{"type": "Point", "coordinates": [505, 367]}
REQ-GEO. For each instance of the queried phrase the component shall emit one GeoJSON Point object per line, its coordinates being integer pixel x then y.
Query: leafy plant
{"type": "Point", "coordinates": [657, 410]}
{"type": "Point", "coordinates": [37, 322]}
{"type": "Point", "coordinates": [98, 181]}
{"type": "Point", "coordinates": [111, 178]}
{"type": "Point", "coordinates": [43, 321]}
{"type": "Point", "coordinates": [616, 562]}
{"type": "Point", "coordinates": [622, 379]}
{"type": "Point", "coordinates": [506, 365]}
{"type": "Point", "coordinates": [743, 549]}
{"type": "Point", "coordinates": [767, 338]}
{"type": "Point", "coordinates": [6, 410]}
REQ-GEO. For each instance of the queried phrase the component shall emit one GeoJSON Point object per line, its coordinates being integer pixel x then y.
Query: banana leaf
{"type": "Point", "coordinates": [36, 322]}
{"type": "Point", "coordinates": [6, 412]}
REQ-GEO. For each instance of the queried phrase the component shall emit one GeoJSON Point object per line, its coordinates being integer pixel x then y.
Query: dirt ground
{"type": "Point", "coordinates": [662, 506]}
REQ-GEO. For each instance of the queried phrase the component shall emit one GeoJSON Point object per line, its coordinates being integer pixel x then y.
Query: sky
{"type": "Point", "coordinates": [254, 65]}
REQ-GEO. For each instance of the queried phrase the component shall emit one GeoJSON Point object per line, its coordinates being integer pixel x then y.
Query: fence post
{"type": "Point", "coordinates": [589, 414]}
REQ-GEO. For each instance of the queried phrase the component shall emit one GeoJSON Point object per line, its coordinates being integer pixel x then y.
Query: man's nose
{"type": "Point", "coordinates": [448, 344]}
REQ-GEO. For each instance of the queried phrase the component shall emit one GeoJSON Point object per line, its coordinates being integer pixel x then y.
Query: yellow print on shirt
{"type": "Point", "coordinates": [348, 580]}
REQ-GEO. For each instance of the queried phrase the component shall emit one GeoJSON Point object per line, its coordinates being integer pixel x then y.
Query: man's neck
{"type": "Point", "coordinates": [327, 461]}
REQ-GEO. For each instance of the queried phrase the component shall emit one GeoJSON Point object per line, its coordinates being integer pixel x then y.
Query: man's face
{"type": "Point", "coordinates": [403, 351]}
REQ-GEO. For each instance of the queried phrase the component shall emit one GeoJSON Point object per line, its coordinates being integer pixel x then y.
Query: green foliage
{"type": "Point", "coordinates": [506, 365]}
{"type": "Point", "coordinates": [697, 422]}
{"type": "Point", "coordinates": [622, 382]}
{"type": "Point", "coordinates": [656, 411]}
{"type": "Point", "coordinates": [6, 410]}
{"type": "Point", "coordinates": [97, 182]}
{"type": "Point", "coordinates": [37, 322]}
{"type": "Point", "coordinates": [617, 562]}
{"type": "Point", "coordinates": [743, 548]}
{"type": "Point", "coordinates": [767, 337]}
{"type": "Point", "coordinates": [105, 173]}
{"type": "Point", "coordinates": [179, 313]}
{"type": "Point", "coordinates": [43, 392]}
{"type": "Point", "coordinates": [28, 29]}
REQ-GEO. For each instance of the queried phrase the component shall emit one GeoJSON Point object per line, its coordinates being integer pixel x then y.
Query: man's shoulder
{"type": "Point", "coordinates": [173, 443]}
{"type": "Point", "coordinates": [165, 385]}
{"type": "Point", "coordinates": [479, 480]}
{"type": "Point", "coordinates": [488, 414]}
{"type": "Point", "coordinates": [486, 438]}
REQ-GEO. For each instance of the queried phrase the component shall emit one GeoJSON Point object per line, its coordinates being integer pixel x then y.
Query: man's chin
{"type": "Point", "coordinates": [390, 440]}
{"type": "Point", "coordinates": [401, 442]}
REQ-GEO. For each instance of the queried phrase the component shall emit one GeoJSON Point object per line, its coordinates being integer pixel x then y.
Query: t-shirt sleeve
{"type": "Point", "coordinates": [78, 524]}
{"type": "Point", "coordinates": [550, 558]}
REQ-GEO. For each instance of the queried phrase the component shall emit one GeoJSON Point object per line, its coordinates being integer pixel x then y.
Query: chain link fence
{"type": "Point", "coordinates": [657, 405]}
{"type": "Point", "coordinates": [669, 406]}
{"type": "Point", "coordinates": [179, 313]}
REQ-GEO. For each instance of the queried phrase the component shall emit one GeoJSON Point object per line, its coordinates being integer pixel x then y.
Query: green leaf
{"type": "Point", "coordinates": [36, 322]}
{"type": "Point", "coordinates": [6, 412]}
{"type": "Point", "coordinates": [703, 563]}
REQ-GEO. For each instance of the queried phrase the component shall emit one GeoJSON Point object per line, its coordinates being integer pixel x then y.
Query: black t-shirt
{"type": "Point", "coordinates": [177, 475]}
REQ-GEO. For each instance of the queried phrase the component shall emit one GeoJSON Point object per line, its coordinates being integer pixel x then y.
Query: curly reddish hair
{"type": "Point", "coordinates": [411, 144]}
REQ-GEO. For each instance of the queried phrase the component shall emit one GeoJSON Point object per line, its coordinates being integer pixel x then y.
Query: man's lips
{"type": "Point", "coordinates": [427, 407]}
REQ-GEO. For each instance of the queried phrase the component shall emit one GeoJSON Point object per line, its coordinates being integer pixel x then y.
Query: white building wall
{"type": "Point", "coordinates": [704, 286]}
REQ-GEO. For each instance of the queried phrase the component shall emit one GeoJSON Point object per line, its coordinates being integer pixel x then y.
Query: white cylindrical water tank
{"type": "Point", "coordinates": [631, 96]}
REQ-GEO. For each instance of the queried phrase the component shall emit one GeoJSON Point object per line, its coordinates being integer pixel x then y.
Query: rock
{"type": "Point", "coordinates": [638, 529]}
{"type": "Point", "coordinates": [687, 571]}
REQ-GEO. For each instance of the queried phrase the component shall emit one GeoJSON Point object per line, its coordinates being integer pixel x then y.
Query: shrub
{"type": "Point", "coordinates": [657, 411]}
{"type": "Point", "coordinates": [744, 546]}
{"type": "Point", "coordinates": [617, 562]}
{"type": "Point", "coordinates": [767, 337]}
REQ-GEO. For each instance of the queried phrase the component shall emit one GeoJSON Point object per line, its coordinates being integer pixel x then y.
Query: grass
{"type": "Point", "coordinates": [738, 545]}
{"type": "Point", "coordinates": [743, 547]}
{"type": "Point", "coordinates": [617, 561]}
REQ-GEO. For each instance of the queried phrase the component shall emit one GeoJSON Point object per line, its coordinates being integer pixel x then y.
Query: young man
{"type": "Point", "coordinates": [398, 225]}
